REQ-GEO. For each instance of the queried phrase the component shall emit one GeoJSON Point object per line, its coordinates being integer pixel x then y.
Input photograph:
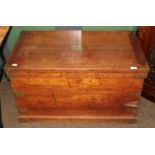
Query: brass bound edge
{"type": "Point", "coordinates": [145, 67]}
{"type": "Point", "coordinates": [142, 76]}
{"type": "Point", "coordinates": [135, 94]}
{"type": "Point", "coordinates": [18, 94]}
{"type": "Point", "coordinates": [23, 110]}
{"type": "Point", "coordinates": [9, 69]}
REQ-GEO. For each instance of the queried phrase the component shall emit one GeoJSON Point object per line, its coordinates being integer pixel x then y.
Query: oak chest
{"type": "Point", "coordinates": [77, 75]}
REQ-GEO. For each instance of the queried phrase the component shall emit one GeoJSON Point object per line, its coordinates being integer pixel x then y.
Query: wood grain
{"type": "Point", "coordinates": [77, 75]}
{"type": "Point", "coordinates": [3, 31]}
{"type": "Point", "coordinates": [77, 53]}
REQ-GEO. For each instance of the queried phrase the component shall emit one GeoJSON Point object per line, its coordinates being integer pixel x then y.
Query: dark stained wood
{"type": "Point", "coordinates": [146, 35]}
{"type": "Point", "coordinates": [77, 74]}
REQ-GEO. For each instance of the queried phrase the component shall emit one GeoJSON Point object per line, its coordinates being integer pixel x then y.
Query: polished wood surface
{"type": "Point", "coordinates": [77, 75]}
{"type": "Point", "coordinates": [74, 50]}
{"type": "Point", "coordinates": [3, 32]}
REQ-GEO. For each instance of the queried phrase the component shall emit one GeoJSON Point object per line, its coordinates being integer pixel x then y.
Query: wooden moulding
{"type": "Point", "coordinates": [110, 114]}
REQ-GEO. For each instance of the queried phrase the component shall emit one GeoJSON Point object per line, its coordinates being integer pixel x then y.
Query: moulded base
{"type": "Point", "coordinates": [129, 115]}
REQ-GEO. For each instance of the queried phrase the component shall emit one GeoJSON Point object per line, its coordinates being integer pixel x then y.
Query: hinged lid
{"type": "Point", "coordinates": [106, 51]}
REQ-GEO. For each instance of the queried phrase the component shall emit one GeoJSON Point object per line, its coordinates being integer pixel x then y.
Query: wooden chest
{"type": "Point", "coordinates": [77, 75]}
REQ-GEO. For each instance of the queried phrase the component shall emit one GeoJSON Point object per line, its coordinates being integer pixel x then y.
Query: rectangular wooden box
{"type": "Point", "coordinates": [77, 75]}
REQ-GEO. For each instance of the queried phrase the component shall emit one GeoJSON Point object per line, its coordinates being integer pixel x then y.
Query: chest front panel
{"type": "Point", "coordinates": [77, 92]}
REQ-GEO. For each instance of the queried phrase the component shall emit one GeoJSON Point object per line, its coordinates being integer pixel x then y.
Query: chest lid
{"type": "Point", "coordinates": [106, 51]}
